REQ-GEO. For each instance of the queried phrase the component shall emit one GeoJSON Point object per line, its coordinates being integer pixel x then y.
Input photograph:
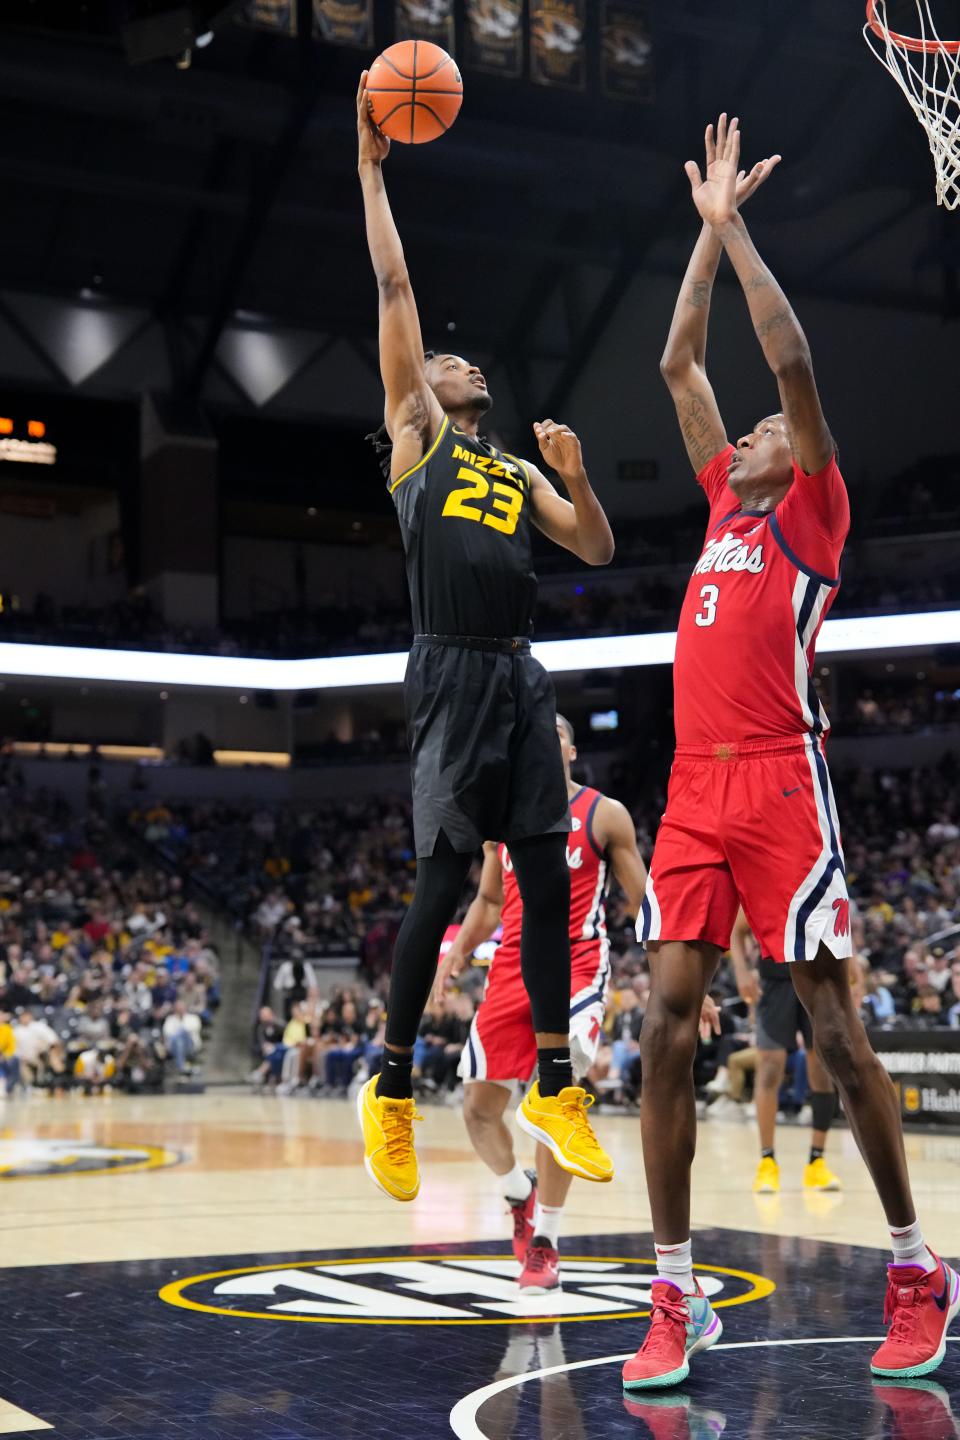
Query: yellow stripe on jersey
{"type": "Point", "coordinates": [522, 463]}
{"type": "Point", "coordinates": [420, 463]}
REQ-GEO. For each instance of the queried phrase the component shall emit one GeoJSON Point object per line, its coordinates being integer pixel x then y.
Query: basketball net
{"type": "Point", "coordinates": [926, 68]}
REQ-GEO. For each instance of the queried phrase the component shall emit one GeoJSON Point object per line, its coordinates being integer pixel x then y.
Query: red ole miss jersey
{"type": "Point", "coordinates": [753, 610]}
{"type": "Point", "coordinates": [589, 882]}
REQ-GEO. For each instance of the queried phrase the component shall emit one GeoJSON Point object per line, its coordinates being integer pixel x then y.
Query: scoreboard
{"type": "Point", "coordinates": [24, 441]}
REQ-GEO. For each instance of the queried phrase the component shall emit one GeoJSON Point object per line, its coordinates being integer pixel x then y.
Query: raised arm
{"type": "Point", "coordinates": [411, 410]}
{"type": "Point", "coordinates": [777, 327]}
{"type": "Point", "coordinates": [578, 524]}
{"type": "Point", "coordinates": [479, 923]}
{"type": "Point", "coordinates": [683, 363]}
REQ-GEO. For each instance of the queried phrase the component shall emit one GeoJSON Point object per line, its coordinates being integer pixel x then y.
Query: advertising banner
{"type": "Point", "coordinates": [924, 1065]}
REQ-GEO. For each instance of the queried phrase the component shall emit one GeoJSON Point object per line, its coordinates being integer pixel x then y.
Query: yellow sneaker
{"type": "Point", "coordinates": [389, 1156]}
{"type": "Point", "coordinates": [767, 1179]}
{"type": "Point", "coordinates": [818, 1176]}
{"type": "Point", "coordinates": [560, 1122]}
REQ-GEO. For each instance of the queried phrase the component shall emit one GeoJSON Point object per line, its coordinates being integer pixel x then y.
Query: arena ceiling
{"type": "Point", "coordinates": [199, 230]}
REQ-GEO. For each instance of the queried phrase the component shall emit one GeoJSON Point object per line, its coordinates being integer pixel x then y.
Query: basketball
{"type": "Point", "coordinates": [415, 91]}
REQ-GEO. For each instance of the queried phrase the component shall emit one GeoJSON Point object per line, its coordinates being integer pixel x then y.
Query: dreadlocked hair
{"type": "Point", "coordinates": [380, 439]}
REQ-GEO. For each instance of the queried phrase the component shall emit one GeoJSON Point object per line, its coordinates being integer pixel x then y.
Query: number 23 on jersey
{"type": "Point", "coordinates": [503, 507]}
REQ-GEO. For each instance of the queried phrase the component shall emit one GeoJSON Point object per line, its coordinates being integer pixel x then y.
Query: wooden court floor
{"type": "Point", "coordinates": [153, 1214]}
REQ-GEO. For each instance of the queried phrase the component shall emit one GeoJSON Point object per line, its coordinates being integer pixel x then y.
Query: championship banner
{"type": "Point", "coordinates": [557, 52]}
{"type": "Point", "coordinates": [626, 50]}
{"type": "Point", "coordinates": [280, 16]}
{"type": "Point", "coordinates": [426, 20]}
{"type": "Point", "coordinates": [344, 22]}
{"type": "Point", "coordinates": [494, 36]}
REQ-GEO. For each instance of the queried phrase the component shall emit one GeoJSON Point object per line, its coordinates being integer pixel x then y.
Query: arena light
{"type": "Point", "coordinates": [611, 652]}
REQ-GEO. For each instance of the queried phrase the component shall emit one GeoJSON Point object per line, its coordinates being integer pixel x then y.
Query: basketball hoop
{"type": "Point", "coordinates": [927, 69]}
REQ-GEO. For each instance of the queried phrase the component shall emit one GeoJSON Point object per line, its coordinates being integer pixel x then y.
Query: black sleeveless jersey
{"type": "Point", "coordinates": [464, 513]}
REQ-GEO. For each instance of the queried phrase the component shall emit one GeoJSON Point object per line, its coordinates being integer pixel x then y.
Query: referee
{"type": "Point", "coordinates": [481, 712]}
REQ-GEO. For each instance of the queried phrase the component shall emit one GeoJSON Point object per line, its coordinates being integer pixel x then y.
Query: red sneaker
{"type": "Point", "coordinates": [680, 1326]}
{"type": "Point", "coordinates": [674, 1416]}
{"type": "Point", "coordinates": [541, 1268]}
{"type": "Point", "coordinates": [918, 1309]}
{"type": "Point", "coordinates": [917, 1407]}
{"type": "Point", "coordinates": [522, 1213]}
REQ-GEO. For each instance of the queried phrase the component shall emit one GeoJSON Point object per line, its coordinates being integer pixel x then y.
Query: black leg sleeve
{"type": "Point", "coordinates": [439, 885]}
{"type": "Point", "coordinates": [543, 876]}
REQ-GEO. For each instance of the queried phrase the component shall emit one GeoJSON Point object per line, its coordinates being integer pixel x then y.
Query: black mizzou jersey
{"type": "Point", "coordinates": [464, 514]}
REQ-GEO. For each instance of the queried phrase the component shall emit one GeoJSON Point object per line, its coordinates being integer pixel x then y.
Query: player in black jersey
{"type": "Point", "coordinates": [480, 710]}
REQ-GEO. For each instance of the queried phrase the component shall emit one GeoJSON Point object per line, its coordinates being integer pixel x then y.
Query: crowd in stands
{"type": "Point", "coordinates": [134, 623]}
{"type": "Point", "coordinates": [594, 605]}
{"type": "Point", "coordinates": [894, 710]}
{"type": "Point", "coordinates": [106, 974]}
{"type": "Point", "coordinates": [311, 881]}
{"type": "Point", "coordinates": [901, 833]}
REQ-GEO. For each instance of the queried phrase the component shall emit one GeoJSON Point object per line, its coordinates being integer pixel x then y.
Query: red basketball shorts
{"type": "Point", "coordinates": [502, 1045]}
{"type": "Point", "coordinates": [753, 823]}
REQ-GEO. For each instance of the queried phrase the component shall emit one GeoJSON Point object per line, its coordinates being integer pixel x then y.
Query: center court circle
{"type": "Point", "coordinates": [463, 1416]}
{"type": "Point", "coordinates": [452, 1289]}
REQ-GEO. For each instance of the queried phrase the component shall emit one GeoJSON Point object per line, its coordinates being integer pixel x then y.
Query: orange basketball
{"type": "Point", "coordinates": [415, 91]}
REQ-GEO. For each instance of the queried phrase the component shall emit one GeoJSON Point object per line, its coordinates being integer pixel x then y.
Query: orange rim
{"type": "Point", "coordinates": [908, 42]}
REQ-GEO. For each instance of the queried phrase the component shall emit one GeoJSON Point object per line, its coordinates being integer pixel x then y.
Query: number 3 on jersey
{"type": "Point", "coordinates": [506, 498]}
{"type": "Point", "coordinates": [709, 595]}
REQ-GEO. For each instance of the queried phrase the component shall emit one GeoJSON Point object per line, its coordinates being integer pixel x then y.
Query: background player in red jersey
{"type": "Point", "coordinates": [502, 1050]}
{"type": "Point", "coordinates": [750, 809]}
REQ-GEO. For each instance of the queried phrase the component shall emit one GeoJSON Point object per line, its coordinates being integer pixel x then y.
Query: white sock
{"type": "Point", "coordinates": [516, 1184]}
{"type": "Point", "coordinates": [675, 1263]}
{"type": "Point", "coordinates": [546, 1223]}
{"type": "Point", "coordinates": [521, 1354]}
{"type": "Point", "coordinates": [909, 1248]}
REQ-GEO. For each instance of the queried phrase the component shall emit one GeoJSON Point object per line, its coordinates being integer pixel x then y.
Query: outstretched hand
{"type": "Point", "coordinates": [374, 145]}
{"type": "Point", "coordinates": [709, 1018]}
{"type": "Point", "coordinates": [450, 967]}
{"type": "Point", "coordinates": [724, 187]}
{"type": "Point", "coordinates": [559, 447]}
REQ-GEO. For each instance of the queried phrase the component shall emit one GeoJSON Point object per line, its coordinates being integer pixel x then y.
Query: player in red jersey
{"type": "Point", "coordinates": [501, 1051]}
{"type": "Point", "coordinates": [750, 809]}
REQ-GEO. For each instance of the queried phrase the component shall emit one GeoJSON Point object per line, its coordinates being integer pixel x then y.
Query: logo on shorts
{"type": "Point", "coordinates": [841, 925]}
{"type": "Point", "coordinates": [441, 1290]}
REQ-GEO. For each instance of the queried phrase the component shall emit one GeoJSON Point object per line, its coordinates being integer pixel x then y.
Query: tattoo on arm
{"type": "Point", "coordinates": [758, 280]}
{"type": "Point", "coordinates": [696, 428]}
{"type": "Point", "coordinates": [699, 294]}
{"type": "Point", "coordinates": [776, 321]}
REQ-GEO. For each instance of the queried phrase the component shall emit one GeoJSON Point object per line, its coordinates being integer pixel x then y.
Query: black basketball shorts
{"type": "Point", "coordinates": [485, 755]}
{"type": "Point", "coordinates": [780, 1015]}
